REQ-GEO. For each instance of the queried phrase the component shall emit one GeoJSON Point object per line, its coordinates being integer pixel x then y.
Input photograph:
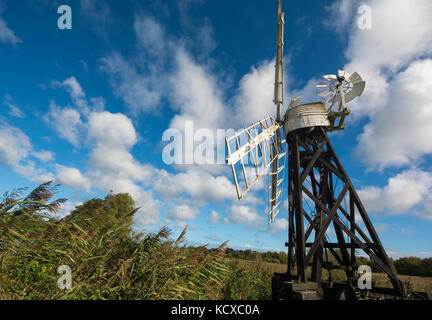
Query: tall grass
{"type": "Point", "coordinates": [107, 261]}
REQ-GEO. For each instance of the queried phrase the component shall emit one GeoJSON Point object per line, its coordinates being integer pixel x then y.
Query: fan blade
{"type": "Point", "coordinates": [330, 77]}
{"type": "Point", "coordinates": [324, 93]}
{"type": "Point", "coordinates": [323, 85]}
{"type": "Point", "coordinates": [344, 74]}
{"type": "Point", "coordinates": [356, 91]}
{"type": "Point", "coordinates": [355, 78]}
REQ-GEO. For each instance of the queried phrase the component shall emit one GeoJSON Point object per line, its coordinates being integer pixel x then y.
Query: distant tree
{"type": "Point", "coordinates": [409, 266]}
{"type": "Point", "coordinates": [426, 267]}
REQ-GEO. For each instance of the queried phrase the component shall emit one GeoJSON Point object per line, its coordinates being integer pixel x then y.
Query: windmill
{"type": "Point", "coordinates": [340, 90]}
{"type": "Point", "coordinates": [325, 213]}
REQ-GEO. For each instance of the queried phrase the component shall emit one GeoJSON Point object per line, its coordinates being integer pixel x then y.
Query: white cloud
{"type": "Point", "coordinates": [75, 91]}
{"type": "Point", "coordinates": [339, 15]}
{"type": "Point", "coordinates": [15, 145]}
{"type": "Point", "coordinates": [400, 132]}
{"type": "Point", "coordinates": [254, 98]}
{"type": "Point", "coordinates": [279, 224]}
{"type": "Point", "coordinates": [74, 88]}
{"type": "Point", "coordinates": [395, 40]}
{"type": "Point", "coordinates": [69, 122]}
{"type": "Point", "coordinates": [427, 210]}
{"type": "Point", "coordinates": [72, 177]}
{"type": "Point", "coordinates": [244, 215]}
{"type": "Point", "coordinates": [78, 96]}
{"type": "Point", "coordinates": [402, 193]}
{"type": "Point", "coordinates": [396, 37]}
{"type": "Point", "coordinates": [44, 155]}
{"type": "Point", "coordinates": [182, 212]}
{"type": "Point", "coordinates": [14, 111]}
{"type": "Point", "coordinates": [215, 217]}
{"type": "Point", "coordinates": [15, 151]}
{"type": "Point", "coordinates": [195, 95]}
{"type": "Point", "coordinates": [139, 92]}
{"type": "Point", "coordinates": [112, 130]}
{"type": "Point", "coordinates": [150, 36]}
{"type": "Point", "coordinates": [66, 122]}
{"type": "Point", "coordinates": [198, 184]}
{"type": "Point", "coordinates": [6, 34]}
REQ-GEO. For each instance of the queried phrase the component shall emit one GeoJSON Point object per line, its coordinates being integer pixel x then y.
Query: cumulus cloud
{"type": "Point", "coordinates": [244, 215]}
{"type": "Point", "coordinates": [279, 225]}
{"type": "Point", "coordinates": [16, 151]}
{"type": "Point", "coordinates": [72, 177]}
{"type": "Point", "coordinates": [182, 212]}
{"type": "Point", "coordinates": [197, 184]}
{"type": "Point", "coordinates": [402, 194]}
{"type": "Point", "coordinates": [66, 122]}
{"type": "Point", "coordinates": [395, 40]}
{"type": "Point", "coordinates": [113, 130]}
{"type": "Point", "coordinates": [214, 217]}
{"type": "Point", "coordinates": [110, 138]}
{"type": "Point", "coordinates": [399, 133]}
{"type": "Point", "coordinates": [253, 100]}
{"type": "Point", "coordinates": [396, 37]}
{"type": "Point", "coordinates": [15, 145]}
{"type": "Point", "coordinates": [69, 122]}
{"type": "Point", "coordinates": [195, 95]}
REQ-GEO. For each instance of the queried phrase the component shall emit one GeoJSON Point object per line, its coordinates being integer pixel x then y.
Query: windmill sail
{"type": "Point", "coordinates": [260, 148]}
{"type": "Point", "coordinates": [275, 188]}
{"type": "Point", "coordinates": [250, 153]}
{"type": "Point", "coordinates": [278, 85]}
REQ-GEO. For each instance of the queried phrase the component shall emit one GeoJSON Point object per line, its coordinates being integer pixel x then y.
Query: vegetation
{"type": "Point", "coordinates": [109, 261]}
{"type": "Point", "coordinates": [272, 257]}
{"type": "Point", "coordinates": [411, 266]}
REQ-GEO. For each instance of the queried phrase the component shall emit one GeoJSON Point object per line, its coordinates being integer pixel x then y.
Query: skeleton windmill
{"type": "Point", "coordinates": [326, 217]}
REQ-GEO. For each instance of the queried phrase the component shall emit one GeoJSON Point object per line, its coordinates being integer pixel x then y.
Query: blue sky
{"type": "Point", "coordinates": [87, 107]}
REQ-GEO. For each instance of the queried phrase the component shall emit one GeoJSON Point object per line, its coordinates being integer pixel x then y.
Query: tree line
{"type": "Point", "coordinates": [412, 266]}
